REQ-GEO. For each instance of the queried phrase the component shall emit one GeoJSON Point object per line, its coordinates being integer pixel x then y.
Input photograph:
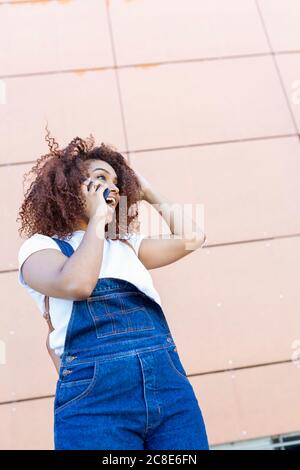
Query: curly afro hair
{"type": "Point", "coordinates": [54, 203]}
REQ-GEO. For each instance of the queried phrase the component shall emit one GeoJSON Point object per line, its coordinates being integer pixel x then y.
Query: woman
{"type": "Point", "coordinates": [121, 382]}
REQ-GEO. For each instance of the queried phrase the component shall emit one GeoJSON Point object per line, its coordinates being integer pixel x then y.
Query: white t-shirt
{"type": "Point", "coordinates": [119, 261]}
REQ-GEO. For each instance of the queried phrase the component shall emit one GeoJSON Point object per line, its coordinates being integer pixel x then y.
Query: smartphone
{"type": "Point", "coordinates": [106, 193]}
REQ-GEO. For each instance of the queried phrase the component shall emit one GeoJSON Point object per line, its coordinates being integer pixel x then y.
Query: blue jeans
{"type": "Point", "coordinates": [121, 383]}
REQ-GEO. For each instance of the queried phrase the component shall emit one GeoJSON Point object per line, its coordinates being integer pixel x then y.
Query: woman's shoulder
{"type": "Point", "coordinates": [37, 238]}
{"type": "Point", "coordinates": [34, 243]}
{"type": "Point", "coordinates": [134, 236]}
{"type": "Point", "coordinates": [136, 239]}
{"type": "Point", "coordinates": [29, 246]}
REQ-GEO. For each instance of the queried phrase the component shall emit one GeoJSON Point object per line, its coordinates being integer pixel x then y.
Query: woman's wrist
{"type": "Point", "coordinates": [150, 195]}
{"type": "Point", "coordinates": [97, 225]}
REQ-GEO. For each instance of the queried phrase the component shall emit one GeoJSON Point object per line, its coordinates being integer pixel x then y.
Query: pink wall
{"type": "Point", "coordinates": [203, 96]}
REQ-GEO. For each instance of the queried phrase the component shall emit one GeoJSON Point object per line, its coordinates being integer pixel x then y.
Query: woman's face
{"type": "Point", "coordinates": [102, 172]}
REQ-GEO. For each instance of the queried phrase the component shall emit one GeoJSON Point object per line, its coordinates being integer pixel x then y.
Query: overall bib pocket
{"type": "Point", "coordinates": [175, 362]}
{"type": "Point", "coordinates": [77, 382]}
{"type": "Point", "coordinates": [119, 312]}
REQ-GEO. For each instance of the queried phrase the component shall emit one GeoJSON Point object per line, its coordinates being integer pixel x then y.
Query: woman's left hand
{"type": "Point", "coordinates": [146, 186]}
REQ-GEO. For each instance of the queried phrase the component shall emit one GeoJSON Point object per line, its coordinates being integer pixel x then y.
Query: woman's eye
{"type": "Point", "coordinates": [101, 176]}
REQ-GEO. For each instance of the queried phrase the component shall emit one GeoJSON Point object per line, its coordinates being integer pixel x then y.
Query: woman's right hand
{"type": "Point", "coordinates": [95, 202]}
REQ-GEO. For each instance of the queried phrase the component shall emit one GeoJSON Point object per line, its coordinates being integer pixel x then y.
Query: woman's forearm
{"type": "Point", "coordinates": [83, 267]}
{"type": "Point", "coordinates": [185, 226]}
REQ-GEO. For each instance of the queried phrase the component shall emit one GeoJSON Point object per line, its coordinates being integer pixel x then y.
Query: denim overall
{"type": "Point", "coordinates": [121, 383]}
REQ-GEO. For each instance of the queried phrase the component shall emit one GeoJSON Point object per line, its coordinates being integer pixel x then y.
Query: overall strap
{"type": "Point", "coordinates": [67, 250]}
{"type": "Point", "coordinates": [65, 247]}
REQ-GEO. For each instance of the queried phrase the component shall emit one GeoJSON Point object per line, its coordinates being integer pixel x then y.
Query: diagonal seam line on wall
{"type": "Point", "coordinates": [185, 146]}
{"type": "Point", "coordinates": [117, 78]}
{"type": "Point", "coordinates": [273, 55]}
{"type": "Point", "coordinates": [146, 64]}
{"type": "Point", "coordinates": [216, 142]}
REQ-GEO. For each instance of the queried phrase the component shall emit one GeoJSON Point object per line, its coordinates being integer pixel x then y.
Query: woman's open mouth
{"type": "Point", "coordinates": [111, 201]}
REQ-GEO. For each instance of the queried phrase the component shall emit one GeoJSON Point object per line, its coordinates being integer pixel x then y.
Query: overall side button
{"type": "Point", "coordinates": [70, 358]}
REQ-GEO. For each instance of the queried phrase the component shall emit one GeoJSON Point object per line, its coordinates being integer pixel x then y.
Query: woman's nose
{"type": "Point", "coordinates": [115, 188]}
